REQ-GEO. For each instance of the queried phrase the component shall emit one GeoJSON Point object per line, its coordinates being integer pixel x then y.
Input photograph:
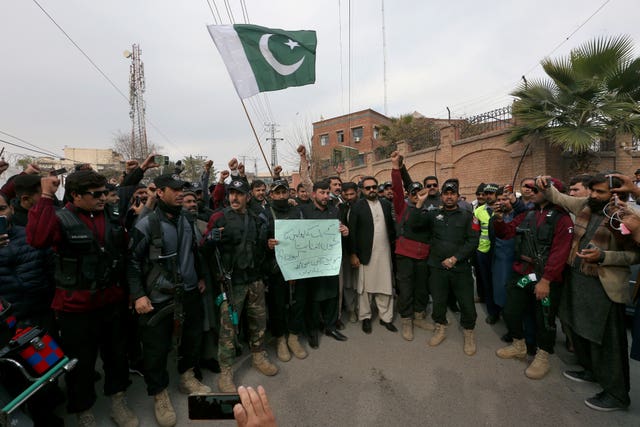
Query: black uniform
{"type": "Point", "coordinates": [453, 233]}
{"type": "Point", "coordinates": [320, 294]}
{"type": "Point", "coordinates": [278, 288]}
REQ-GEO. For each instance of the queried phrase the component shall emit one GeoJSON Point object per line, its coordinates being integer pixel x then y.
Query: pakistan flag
{"type": "Point", "coordinates": [263, 59]}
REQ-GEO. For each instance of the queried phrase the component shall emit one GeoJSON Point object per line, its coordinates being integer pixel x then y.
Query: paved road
{"type": "Point", "coordinates": [382, 380]}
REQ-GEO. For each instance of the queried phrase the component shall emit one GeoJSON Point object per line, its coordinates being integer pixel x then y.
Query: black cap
{"type": "Point", "coordinates": [170, 180]}
{"type": "Point", "coordinates": [414, 186]}
{"type": "Point", "coordinates": [239, 185]}
{"type": "Point", "coordinates": [480, 188]}
{"type": "Point", "coordinates": [491, 188]}
{"type": "Point", "coordinates": [637, 172]}
{"type": "Point", "coordinates": [450, 186]}
{"type": "Point", "coordinates": [279, 183]}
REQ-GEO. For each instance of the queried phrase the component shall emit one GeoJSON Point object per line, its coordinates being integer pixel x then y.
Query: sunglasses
{"type": "Point", "coordinates": [431, 186]}
{"type": "Point", "coordinates": [96, 194]}
{"type": "Point", "coordinates": [370, 187]}
{"type": "Point", "coordinates": [532, 188]}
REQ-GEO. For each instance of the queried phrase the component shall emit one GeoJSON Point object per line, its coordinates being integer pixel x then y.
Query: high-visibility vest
{"type": "Point", "coordinates": [483, 216]}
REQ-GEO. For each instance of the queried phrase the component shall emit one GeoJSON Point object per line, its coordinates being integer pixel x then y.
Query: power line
{"type": "Point", "coordinates": [28, 149]}
{"type": "Point", "coordinates": [82, 51]}
{"type": "Point", "coordinates": [28, 143]}
{"type": "Point", "coordinates": [101, 72]}
{"type": "Point", "coordinates": [215, 21]}
{"type": "Point", "coordinates": [500, 92]}
{"type": "Point", "coordinates": [571, 35]}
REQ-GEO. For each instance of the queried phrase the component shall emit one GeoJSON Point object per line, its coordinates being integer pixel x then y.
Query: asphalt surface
{"type": "Point", "coordinates": [383, 380]}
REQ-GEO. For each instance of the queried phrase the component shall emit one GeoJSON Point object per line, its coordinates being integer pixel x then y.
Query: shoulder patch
{"type": "Point", "coordinates": [475, 224]}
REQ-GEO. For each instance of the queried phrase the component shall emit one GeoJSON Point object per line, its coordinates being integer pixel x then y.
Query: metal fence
{"type": "Point", "coordinates": [500, 118]}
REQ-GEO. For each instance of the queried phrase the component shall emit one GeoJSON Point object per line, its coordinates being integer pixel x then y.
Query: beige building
{"type": "Point", "coordinates": [100, 159]}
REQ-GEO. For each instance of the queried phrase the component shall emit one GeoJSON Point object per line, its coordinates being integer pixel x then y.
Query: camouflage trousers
{"type": "Point", "coordinates": [251, 295]}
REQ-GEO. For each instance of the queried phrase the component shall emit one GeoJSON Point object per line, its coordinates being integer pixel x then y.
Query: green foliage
{"type": "Point", "coordinates": [592, 95]}
{"type": "Point", "coordinates": [24, 162]}
{"type": "Point", "coordinates": [418, 132]}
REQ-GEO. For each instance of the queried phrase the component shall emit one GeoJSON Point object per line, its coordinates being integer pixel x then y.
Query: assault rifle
{"type": "Point", "coordinates": [537, 260]}
{"type": "Point", "coordinates": [227, 291]}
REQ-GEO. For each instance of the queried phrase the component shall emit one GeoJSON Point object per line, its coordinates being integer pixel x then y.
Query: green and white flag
{"type": "Point", "coordinates": [263, 59]}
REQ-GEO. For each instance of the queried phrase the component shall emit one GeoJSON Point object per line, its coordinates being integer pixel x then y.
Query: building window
{"type": "Point", "coordinates": [340, 134]}
{"type": "Point", "coordinates": [376, 132]}
{"type": "Point", "coordinates": [324, 140]}
{"type": "Point", "coordinates": [356, 134]}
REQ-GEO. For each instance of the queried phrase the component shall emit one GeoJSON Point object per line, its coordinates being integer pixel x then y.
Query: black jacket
{"type": "Point", "coordinates": [361, 228]}
{"type": "Point", "coordinates": [26, 275]}
{"type": "Point", "coordinates": [453, 233]}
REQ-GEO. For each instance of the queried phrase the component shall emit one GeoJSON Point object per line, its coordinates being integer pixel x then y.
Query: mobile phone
{"type": "Point", "coordinates": [59, 171]}
{"type": "Point", "coordinates": [212, 406]}
{"type": "Point", "coordinates": [161, 160]}
{"type": "Point", "coordinates": [137, 202]}
{"type": "Point", "coordinates": [3, 224]}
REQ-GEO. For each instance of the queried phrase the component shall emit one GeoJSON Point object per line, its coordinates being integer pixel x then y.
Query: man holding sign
{"type": "Point", "coordinates": [320, 292]}
{"type": "Point", "coordinates": [281, 291]}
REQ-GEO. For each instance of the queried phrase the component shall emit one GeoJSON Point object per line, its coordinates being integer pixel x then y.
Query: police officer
{"type": "Point", "coordinates": [89, 302]}
{"type": "Point", "coordinates": [542, 248]}
{"type": "Point", "coordinates": [280, 291]}
{"type": "Point", "coordinates": [165, 283]}
{"type": "Point", "coordinates": [241, 237]}
{"type": "Point", "coordinates": [454, 240]}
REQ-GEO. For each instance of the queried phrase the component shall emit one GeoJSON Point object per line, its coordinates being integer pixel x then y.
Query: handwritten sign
{"type": "Point", "coordinates": [308, 247]}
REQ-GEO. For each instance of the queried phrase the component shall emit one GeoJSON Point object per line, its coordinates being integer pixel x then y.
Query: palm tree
{"type": "Point", "coordinates": [592, 96]}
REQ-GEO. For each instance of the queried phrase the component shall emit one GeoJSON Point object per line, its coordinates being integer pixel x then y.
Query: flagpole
{"type": "Point", "coordinates": [256, 135]}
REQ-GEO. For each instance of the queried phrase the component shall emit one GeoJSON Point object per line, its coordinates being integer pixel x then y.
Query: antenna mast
{"type": "Point", "coordinates": [139, 147]}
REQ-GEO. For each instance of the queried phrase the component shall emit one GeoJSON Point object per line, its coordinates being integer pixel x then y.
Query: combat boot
{"type": "Point", "coordinates": [539, 367]}
{"type": "Point", "coordinates": [120, 412]}
{"type": "Point", "coordinates": [189, 384]}
{"type": "Point", "coordinates": [469, 342]}
{"type": "Point", "coordinates": [225, 380]}
{"type": "Point", "coordinates": [283, 350]}
{"type": "Point", "coordinates": [262, 363]}
{"type": "Point", "coordinates": [407, 329]}
{"type": "Point", "coordinates": [296, 348]}
{"type": "Point", "coordinates": [165, 414]}
{"type": "Point", "coordinates": [86, 419]}
{"type": "Point", "coordinates": [420, 321]}
{"type": "Point", "coordinates": [516, 350]}
{"type": "Point", "coordinates": [439, 335]}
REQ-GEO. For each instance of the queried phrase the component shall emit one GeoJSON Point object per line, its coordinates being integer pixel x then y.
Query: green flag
{"type": "Point", "coordinates": [263, 59]}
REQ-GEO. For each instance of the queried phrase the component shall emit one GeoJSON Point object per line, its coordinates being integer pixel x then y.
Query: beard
{"type": "Point", "coordinates": [596, 205]}
{"type": "Point", "coordinates": [372, 196]}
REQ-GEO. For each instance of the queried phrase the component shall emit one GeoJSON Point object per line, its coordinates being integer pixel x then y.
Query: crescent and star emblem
{"type": "Point", "coordinates": [280, 68]}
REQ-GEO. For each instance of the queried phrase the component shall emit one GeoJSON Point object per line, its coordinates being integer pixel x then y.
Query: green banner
{"type": "Point", "coordinates": [308, 247]}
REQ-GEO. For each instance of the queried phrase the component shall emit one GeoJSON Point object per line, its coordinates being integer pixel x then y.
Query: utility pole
{"type": "Point", "coordinates": [271, 128]}
{"type": "Point", "coordinates": [139, 146]}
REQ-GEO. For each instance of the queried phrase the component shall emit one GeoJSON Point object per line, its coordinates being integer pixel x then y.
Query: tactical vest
{"type": "Point", "coordinates": [542, 235]}
{"type": "Point", "coordinates": [244, 231]}
{"type": "Point", "coordinates": [81, 263]}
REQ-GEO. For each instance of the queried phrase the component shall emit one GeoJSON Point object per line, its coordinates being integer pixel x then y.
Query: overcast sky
{"type": "Point", "coordinates": [465, 54]}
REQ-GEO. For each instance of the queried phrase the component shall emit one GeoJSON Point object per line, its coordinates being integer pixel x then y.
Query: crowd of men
{"type": "Point", "coordinates": [127, 271]}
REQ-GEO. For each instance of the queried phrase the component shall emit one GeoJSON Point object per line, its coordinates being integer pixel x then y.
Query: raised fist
{"type": "Point", "coordinates": [277, 170]}
{"type": "Point", "coordinates": [302, 150]}
{"type": "Point", "coordinates": [208, 164]}
{"type": "Point", "coordinates": [233, 164]}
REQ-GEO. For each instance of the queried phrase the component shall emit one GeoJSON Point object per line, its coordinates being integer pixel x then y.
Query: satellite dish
{"type": "Point", "coordinates": [127, 54]}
